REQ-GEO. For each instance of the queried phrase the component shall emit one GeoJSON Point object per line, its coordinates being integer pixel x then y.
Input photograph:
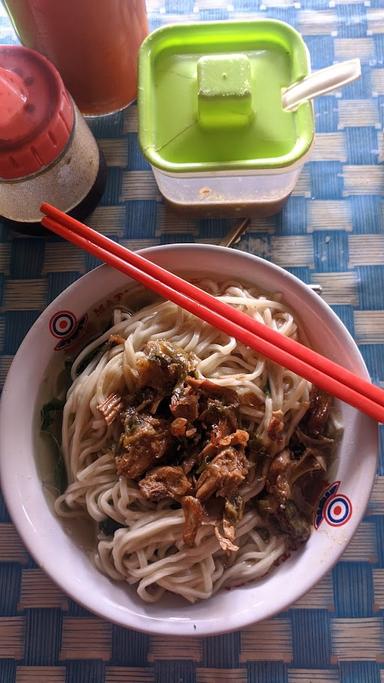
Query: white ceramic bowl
{"type": "Point", "coordinates": [60, 555]}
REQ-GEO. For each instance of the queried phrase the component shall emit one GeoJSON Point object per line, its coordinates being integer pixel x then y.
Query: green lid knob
{"type": "Point", "coordinates": [224, 91]}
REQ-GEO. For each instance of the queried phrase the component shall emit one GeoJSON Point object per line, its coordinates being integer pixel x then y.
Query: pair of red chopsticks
{"type": "Point", "coordinates": [324, 373]}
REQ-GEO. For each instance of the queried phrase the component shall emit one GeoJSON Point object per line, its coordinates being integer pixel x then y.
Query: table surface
{"type": "Point", "coordinates": [330, 233]}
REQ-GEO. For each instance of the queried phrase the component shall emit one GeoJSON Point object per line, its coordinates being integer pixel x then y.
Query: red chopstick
{"type": "Point", "coordinates": [305, 362]}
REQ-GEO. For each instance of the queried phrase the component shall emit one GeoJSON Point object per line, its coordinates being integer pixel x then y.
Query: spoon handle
{"type": "Point", "coordinates": [235, 233]}
{"type": "Point", "coordinates": [321, 82]}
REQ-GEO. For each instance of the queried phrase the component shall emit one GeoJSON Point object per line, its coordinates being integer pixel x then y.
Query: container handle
{"type": "Point", "coordinates": [321, 82]}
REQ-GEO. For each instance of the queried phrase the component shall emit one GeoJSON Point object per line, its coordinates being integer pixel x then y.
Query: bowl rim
{"type": "Point", "coordinates": [164, 626]}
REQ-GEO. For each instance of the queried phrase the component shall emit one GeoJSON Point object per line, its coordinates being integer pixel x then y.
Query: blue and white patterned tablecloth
{"type": "Point", "coordinates": [331, 233]}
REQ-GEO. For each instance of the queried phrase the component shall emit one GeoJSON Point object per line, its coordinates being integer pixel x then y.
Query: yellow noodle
{"type": "Point", "coordinates": [148, 550]}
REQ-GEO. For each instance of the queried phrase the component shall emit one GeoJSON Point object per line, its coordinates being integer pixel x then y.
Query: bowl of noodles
{"type": "Point", "coordinates": [167, 477]}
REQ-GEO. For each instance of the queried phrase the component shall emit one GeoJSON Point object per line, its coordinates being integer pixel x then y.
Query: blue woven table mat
{"type": "Point", "coordinates": [330, 233]}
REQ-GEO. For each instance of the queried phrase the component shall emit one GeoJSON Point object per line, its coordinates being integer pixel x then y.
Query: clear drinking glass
{"type": "Point", "coordinates": [93, 43]}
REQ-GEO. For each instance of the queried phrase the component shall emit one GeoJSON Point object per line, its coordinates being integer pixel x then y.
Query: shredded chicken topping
{"type": "Point", "coordinates": [181, 439]}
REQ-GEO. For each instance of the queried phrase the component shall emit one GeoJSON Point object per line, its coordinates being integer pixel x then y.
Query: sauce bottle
{"type": "Point", "coordinates": [47, 151]}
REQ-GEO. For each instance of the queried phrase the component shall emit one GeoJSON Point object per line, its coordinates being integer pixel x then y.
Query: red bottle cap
{"type": "Point", "coordinates": [36, 112]}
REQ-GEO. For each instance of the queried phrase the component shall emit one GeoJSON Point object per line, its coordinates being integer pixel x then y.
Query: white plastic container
{"type": "Point", "coordinates": [211, 119]}
{"type": "Point", "coordinates": [229, 193]}
{"type": "Point", "coordinates": [226, 118]}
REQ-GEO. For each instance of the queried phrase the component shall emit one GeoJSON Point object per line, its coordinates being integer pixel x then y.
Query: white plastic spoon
{"type": "Point", "coordinates": [321, 82]}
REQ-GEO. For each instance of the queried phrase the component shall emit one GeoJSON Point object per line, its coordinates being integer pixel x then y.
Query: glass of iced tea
{"type": "Point", "coordinates": [93, 43]}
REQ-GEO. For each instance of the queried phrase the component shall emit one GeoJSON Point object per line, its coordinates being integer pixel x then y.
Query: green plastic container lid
{"type": "Point", "coordinates": [210, 97]}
